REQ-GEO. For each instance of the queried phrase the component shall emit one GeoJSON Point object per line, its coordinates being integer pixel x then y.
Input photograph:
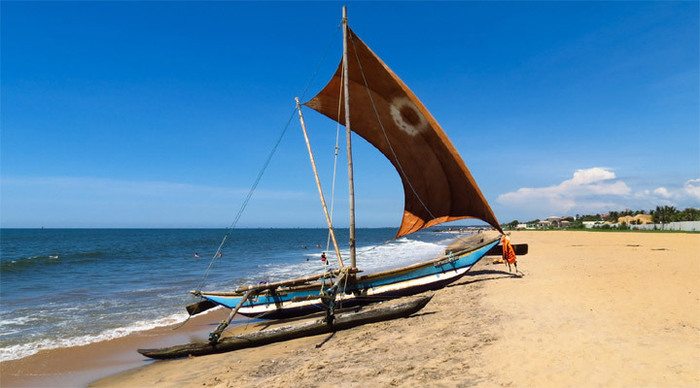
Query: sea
{"type": "Point", "coordinates": [69, 287]}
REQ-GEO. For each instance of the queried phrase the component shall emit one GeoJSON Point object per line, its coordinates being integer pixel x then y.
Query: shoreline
{"type": "Point", "coordinates": [601, 308]}
{"type": "Point", "coordinates": [80, 365]}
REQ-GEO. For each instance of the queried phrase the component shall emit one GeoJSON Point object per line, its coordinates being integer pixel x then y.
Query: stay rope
{"type": "Point", "coordinates": [218, 253]}
{"type": "Point", "coordinates": [335, 160]}
{"type": "Point", "coordinates": [244, 204]}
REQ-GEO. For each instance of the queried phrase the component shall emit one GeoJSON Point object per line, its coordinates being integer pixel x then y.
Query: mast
{"type": "Point", "coordinates": [318, 185]}
{"type": "Point", "coordinates": [346, 98]}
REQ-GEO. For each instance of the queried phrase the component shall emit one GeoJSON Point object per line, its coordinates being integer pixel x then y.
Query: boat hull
{"type": "Point", "coordinates": [299, 301]}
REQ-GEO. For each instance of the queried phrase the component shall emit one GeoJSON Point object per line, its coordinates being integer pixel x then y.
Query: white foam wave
{"type": "Point", "coordinates": [5, 333]}
{"type": "Point", "coordinates": [17, 321]}
{"type": "Point", "coordinates": [15, 352]}
{"type": "Point", "coordinates": [370, 258]}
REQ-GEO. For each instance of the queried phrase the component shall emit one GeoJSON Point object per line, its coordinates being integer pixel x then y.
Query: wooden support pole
{"type": "Point", "coordinates": [348, 132]}
{"type": "Point", "coordinates": [318, 185]}
{"type": "Point", "coordinates": [216, 334]}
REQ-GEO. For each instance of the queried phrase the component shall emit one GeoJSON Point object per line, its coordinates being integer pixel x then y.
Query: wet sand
{"type": "Point", "coordinates": [593, 308]}
{"type": "Point", "coordinates": [78, 366]}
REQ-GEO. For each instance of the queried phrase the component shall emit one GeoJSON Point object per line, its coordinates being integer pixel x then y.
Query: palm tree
{"type": "Point", "coordinates": [613, 216]}
{"type": "Point", "coordinates": [664, 214]}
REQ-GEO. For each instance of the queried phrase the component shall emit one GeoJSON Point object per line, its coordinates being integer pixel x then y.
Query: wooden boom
{"type": "Point", "coordinates": [269, 286]}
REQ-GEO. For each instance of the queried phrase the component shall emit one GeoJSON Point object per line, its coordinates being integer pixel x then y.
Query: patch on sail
{"type": "Point", "coordinates": [407, 117]}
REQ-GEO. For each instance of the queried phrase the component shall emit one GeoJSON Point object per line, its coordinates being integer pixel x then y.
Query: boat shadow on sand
{"type": "Point", "coordinates": [264, 325]}
{"type": "Point", "coordinates": [497, 274]}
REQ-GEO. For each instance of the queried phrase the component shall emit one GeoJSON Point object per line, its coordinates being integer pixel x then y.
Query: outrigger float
{"type": "Point", "coordinates": [342, 321]}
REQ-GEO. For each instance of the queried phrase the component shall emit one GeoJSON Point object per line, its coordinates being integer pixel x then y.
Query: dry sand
{"type": "Point", "coordinates": [593, 308]}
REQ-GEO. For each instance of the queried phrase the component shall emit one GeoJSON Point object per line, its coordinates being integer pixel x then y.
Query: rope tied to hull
{"type": "Point", "coordinates": [328, 296]}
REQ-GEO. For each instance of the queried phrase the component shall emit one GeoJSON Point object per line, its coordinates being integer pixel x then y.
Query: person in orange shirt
{"type": "Point", "coordinates": [509, 253]}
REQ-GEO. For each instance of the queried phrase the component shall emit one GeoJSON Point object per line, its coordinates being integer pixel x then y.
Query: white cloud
{"type": "Point", "coordinates": [663, 192]}
{"type": "Point", "coordinates": [596, 190]}
{"type": "Point", "coordinates": [590, 175]}
{"type": "Point", "coordinates": [692, 189]}
{"type": "Point", "coordinates": [688, 194]}
{"type": "Point", "coordinates": [588, 190]}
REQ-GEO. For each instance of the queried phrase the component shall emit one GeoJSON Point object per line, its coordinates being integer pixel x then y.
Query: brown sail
{"type": "Point", "coordinates": [437, 185]}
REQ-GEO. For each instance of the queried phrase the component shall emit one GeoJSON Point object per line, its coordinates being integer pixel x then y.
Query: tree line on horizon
{"type": "Point", "coordinates": [660, 215]}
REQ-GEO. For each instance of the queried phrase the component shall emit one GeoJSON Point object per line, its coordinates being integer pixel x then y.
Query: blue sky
{"type": "Point", "coordinates": [161, 114]}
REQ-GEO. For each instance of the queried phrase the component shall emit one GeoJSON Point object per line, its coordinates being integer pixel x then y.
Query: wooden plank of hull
{"type": "Point", "coordinates": [292, 310]}
{"type": "Point", "coordinates": [343, 321]}
{"type": "Point", "coordinates": [367, 289]}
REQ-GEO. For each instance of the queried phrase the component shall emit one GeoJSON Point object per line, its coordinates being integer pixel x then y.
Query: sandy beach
{"type": "Point", "coordinates": [594, 308]}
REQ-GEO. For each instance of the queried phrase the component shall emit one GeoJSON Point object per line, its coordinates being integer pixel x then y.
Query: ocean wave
{"type": "Point", "coordinates": [370, 258]}
{"type": "Point", "coordinates": [17, 321]}
{"type": "Point", "coordinates": [123, 289]}
{"type": "Point", "coordinates": [18, 351]}
{"type": "Point", "coordinates": [17, 265]}
{"type": "Point", "coordinates": [25, 263]}
{"type": "Point", "coordinates": [5, 333]}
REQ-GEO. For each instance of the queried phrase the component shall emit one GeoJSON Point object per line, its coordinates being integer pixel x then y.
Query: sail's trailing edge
{"type": "Point", "coordinates": [438, 186]}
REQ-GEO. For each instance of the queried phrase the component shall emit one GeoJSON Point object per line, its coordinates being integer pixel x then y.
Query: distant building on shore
{"type": "Point", "coordinates": [598, 224]}
{"type": "Point", "coordinates": [554, 222]}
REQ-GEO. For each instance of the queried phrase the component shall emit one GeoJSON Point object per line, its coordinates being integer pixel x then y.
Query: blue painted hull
{"type": "Point", "coordinates": [364, 290]}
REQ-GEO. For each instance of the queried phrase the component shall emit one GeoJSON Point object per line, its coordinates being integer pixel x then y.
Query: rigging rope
{"type": "Point", "coordinates": [218, 252]}
{"type": "Point", "coordinates": [335, 160]}
{"type": "Point", "coordinates": [376, 113]}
